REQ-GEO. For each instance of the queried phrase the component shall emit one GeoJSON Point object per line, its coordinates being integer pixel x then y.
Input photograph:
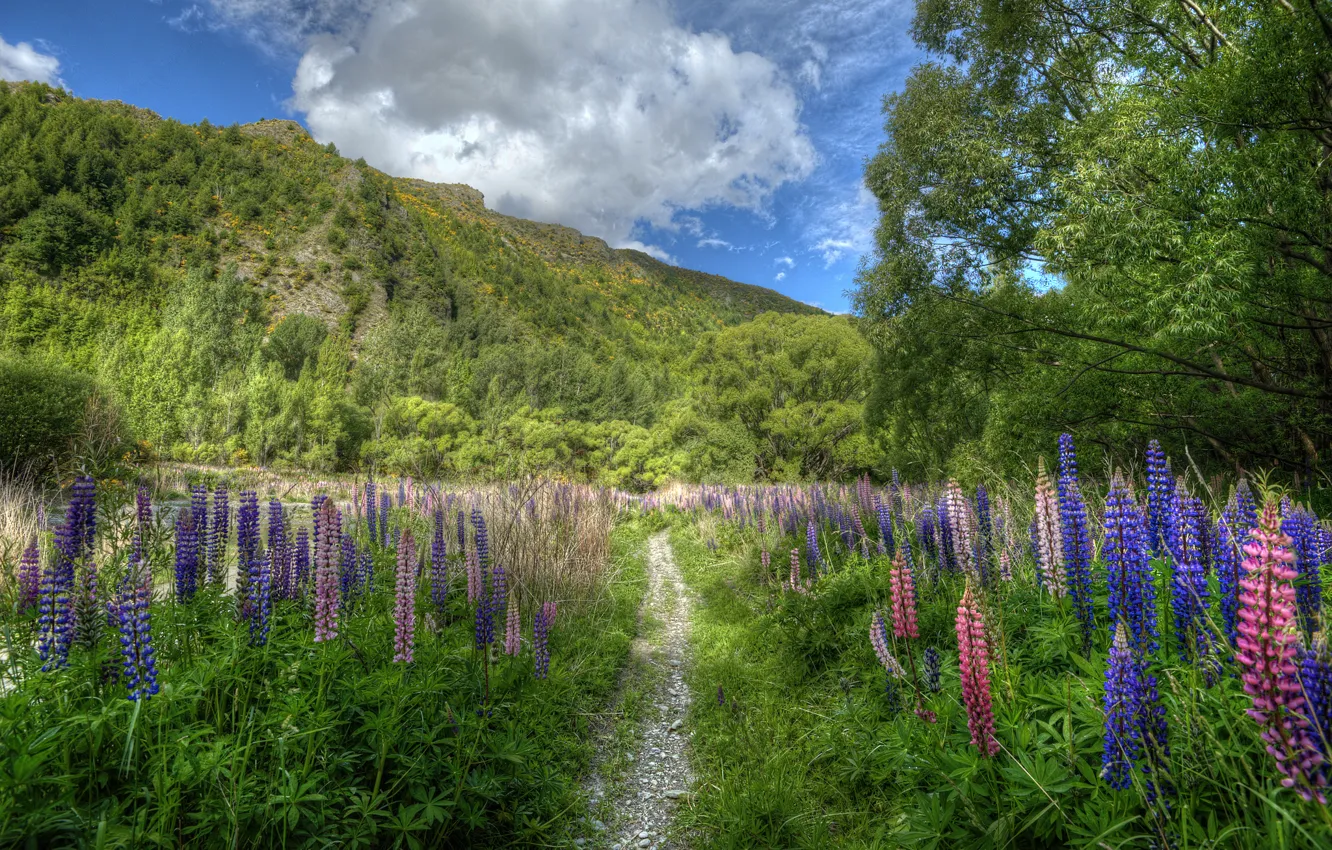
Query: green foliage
{"type": "Point", "coordinates": [294, 343]}
{"type": "Point", "coordinates": [1106, 219]}
{"type": "Point", "coordinates": [42, 415]}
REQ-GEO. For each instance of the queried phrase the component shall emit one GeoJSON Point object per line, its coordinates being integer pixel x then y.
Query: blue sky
{"type": "Point", "coordinates": [724, 136]}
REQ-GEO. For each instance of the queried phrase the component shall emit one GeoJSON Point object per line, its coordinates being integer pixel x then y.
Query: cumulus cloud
{"type": "Point", "coordinates": [22, 61]}
{"type": "Point", "coordinates": [781, 276]}
{"type": "Point", "coordinates": [605, 115]}
{"type": "Point", "coordinates": [785, 261]}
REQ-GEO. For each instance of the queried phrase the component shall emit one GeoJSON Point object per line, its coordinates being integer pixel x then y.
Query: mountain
{"type": "Point", "coordinates": [249, 294]}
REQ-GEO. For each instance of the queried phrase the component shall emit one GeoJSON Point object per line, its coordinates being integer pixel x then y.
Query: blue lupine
{"type": "Point", "coordinates": [892, 695]}
{"type": "Point", "coordinates": [367, 572]}
{"type": "Point", "coordinates": [1231, 535]}
{"type": "Point", "coordinates": [277, 526]}
{"type": "Point", "coordinates": [1123, 697]}
{"type": "Point", "coordinates": [984, 532]}
{"type": "Point", "coordinates": [247, 546]}
{"type": "Point", "coordinates": [887, 545]}
{"type": "Point", "coordinates": [1160, 490]}
{"type": "Point", "coordinates": [462, 533]}
{"type": "Point", "coordinates": [1188, 590]}
{"type": "Point", "coordinates": [1077, 542]}
{"type": "Point", "coordinates": [482, 538]}
{"type": "Point", "coordinates": [301, 572]}
{"type": "Point", "coordinates": [199, 508]}
{"type": "Point", "coordinates": [134, 618]}
{"type": "Point", "coordinates": [1300, 526]}
{"type": "Point", "coordinates": [947, 556]}
{"type": "Point", "coordinates": [384, 518]}
{"type": "Point", "coordinates": [485, 623]}
{"type": "Point", "coordinates": [1316, 684]}
{"type": "Point", "coordinates": [370, 509]}
{"type": "Point", "coordinates": [439, 568]}
{"type": "Point", "coordinates": [813, 557]}
{"type": "Point", "coordinates": [1132, 590]}
{"type": "Point", "coordinates": [187, 556]}
{"type": "Point", "coordinates": [217, 540]}
{"type": "Point", "coordinates": [260, 588]}
{"type": "Point", "coordinates": [932, 671]}
{"type": "Point", "coordinates": [55, 620]}
{"type": "Point", "coordinates": [348, 571]}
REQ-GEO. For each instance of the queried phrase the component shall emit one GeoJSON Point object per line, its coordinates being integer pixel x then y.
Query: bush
{"type": "Point", "coordinates": [43, 413]}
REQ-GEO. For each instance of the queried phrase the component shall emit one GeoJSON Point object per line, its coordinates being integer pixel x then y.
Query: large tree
{"type": "Point", "coordinates": [1165, 168]}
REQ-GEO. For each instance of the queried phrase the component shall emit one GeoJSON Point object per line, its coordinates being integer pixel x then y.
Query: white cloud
{"type": "Point", "coordinates": [22, 61]}
{"type": "Point", "coordinates": [651, 251]}
{"type": "Point", "coordinates": [781, 276]}
{"type": "Point", "coordinates": [845, 226]}
{"type": "Point", "coordinates": [785, 261]}
{"type": "Point", "coordinates": [191, 19]}
{"type": "Point", "coordinates": [603, 115]}
{"type": "Point", "coordinates": [714, 242]}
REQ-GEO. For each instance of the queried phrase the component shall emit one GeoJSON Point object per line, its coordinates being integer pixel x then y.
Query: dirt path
{"type": "Point", "coordinates": [637, 785]}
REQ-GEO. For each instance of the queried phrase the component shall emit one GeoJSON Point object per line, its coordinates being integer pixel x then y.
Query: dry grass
{"type": "Point", "coordinates": [18, 524]}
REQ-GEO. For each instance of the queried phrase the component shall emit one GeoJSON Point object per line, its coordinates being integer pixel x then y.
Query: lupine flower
{"type": "Point", "coordinates": [499, 592]}
{"type": "Point", "coordinates": [859, 529]}
{"type": "Point", "coordinates": [143, 510]}
{"type": "Point", "coordinates": [199, 508]}
{"type": "Point", "coordinates": [217, 540]}
{"type": "Point", "coordinates": [545, 618]}
{"type": "Point", "coordinates": [277, 526]}
{"type": "Point", "coordinates": [887, 545]}
{"type": "Point", "coordinates": [439, 566]}
{"type": "Point", "coordinates": [1229, 539]}
{"type": "Point", "coordinates": [1077, 543]}
{"type": "Point", "coordinates": [1266, 654]}
{"type": "Point", "coordinates": [327, 538]}
{"type": "Point", "coordinates": [766, 560]}
{"type": "Point", "coordinates": [260, 590]}
{"type": "Point", "coordinates": [474, 578]}
{"type": "Point", "coordinates": [482, 538]}
{"type": "Point", "coordinates": [879, 640]}
{"type": "Point", "coordinates": [29, 576]}
{"type": "Point", "coordinates": [892, 696]}
{"type": "Point", "coordinates": [55, 621]}
{"type": "Point", "coordinates": [247, 546]}
{"type": "Point", "coordinates": [349, 579]}
{"type": "Point", "coordinates": [795, 583]}
{"type": "Point", "coordinates": [404, 608]}
{"type": "Point", "coordinates": [384, 518]}
{"type": "Point", "coordinates": [1132, 591]}
{"type": "Point", "coordinates": [462, 532]}
{"type": "Point", "coordinates": [370, 510]}
{"type": "Point", "coordinates": [1160, 490]}
{"type": "Point", "coordinates": [984, 532]}
{"type": "Point", "coordinates": [1005, 566]}
{"type": "Point", "coordinates": [485, 621]}
{"type": "Point", "coordinates": [974, 661]}
{"type": "Point", "coordinates": [926, 533]}
{"type": "Point", "coordinates": [1300, 526]}
{"type": "Point", "coordinates": [187, 557]}
{"type": "Point", "coordinates": [812, 548]}
{"type": "Point", "coordinates": [301, 573]}
{"type": "Point", "coordinates": [134, 617]}
{"type": "Point", "coordinates": [1188, 593]}
{"type": "Point", "coordinates": [932, 670]}
{"type": "Point", "coordinates": [903, 590]}
{"type": "Point", "coordinates": [513, 628]}
{"type": "Point", "coordinates": [1123, 696]}
{"type": "Point", "coordinates": [947, 538]}
{"type": "Point", "coordinates": [1316, 685]}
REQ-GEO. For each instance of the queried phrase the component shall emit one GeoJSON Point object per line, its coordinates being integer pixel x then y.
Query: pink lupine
{"type": "Point", "coordinates": [961, 527]}
{"type": "Point", "coordinates": [328, 557]}
{"type": "Point", "coordinates": [404, 607]}
{"type": "Point", "coordinates": [1266, 649]}
{"type": "Point", "coordinates": [974, 661]}
{"type": "Point", "coordinates": [1049, 534]}
{"type": "Point", "coordinates": [903, 589]}
{"type": "Point", "coordinates": [512, 639]}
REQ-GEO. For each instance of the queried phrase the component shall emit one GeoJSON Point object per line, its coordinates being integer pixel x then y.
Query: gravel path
{"type": "Point", "coordinates": [640, 805]}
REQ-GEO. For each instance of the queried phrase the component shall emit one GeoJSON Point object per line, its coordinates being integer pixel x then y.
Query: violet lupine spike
{"type": "Point", "coordinates": [1266, 653]}
{"type": "Point", "coordinates": [947, 559]}
{"type": "Point", "coordinates": [512, 628]}
{"type": "Point", "coordinates": [1160, 489]}
{"type": "Point", "coordinates": [199, 508]}
{"type": "Point", "coordinates": [370, 510]}
{"type": "Point", "coordinates": [29, 576]}
{"type": "Point", "coordinates": [187, 557]}
{"type": "Point", "coordinates": [439, 566]}
{"type": "Point", "coordinates": [301, 566]}
{"type": "Point", "coordinates": [1303, 530]}
{"type": "Point", "coordinates": [247, 546]}
{"type": "Point", "coordinates": [812, 547]}
{"type": "Point", "coordinates": [143, 509]}
{"type": "Point", "coordinates": [1123, 696]}
{"type": "Point", "coordinates": [545, 618]}
{"type": "Point", "coordinates": [404, 607]}
{"type": "Point", "coordinates": [1316, 685]}
{"type": "Point", "coordinates": [974, 662]}
{"type": "Point", "coordinates": [482, 539]}
{"type": "Point", "coordinates": [1077, 541]}
{"type": "Point", "coordinates": [925, 531]}
{"type": "Point", "coordinates": [327, 556]}
{"type": "Point", "coordinates": [1129, 581]}
{"type": "Point", "coordinates": [55, 621]}
{"type": "Point", "coordinates": [367, 572]}
{"type": "Point", "coordinates": [887, 545]}
{"type": "Point", "coordinates": [217, 540]}
{"type": "Point", "coordinates": [462, 531]}
{"type": "Point", "coordinates": [961, 531]}
{"type": "Point", "coordinates": [903, 592]}
{"type": "Point", "coordinates": [984, 535]}
{"type": "Point", "coordinates": [1229, 539]}
{"type": "Point", "coordinates": [134, 616]}
{"type": "Point", "coordinates": [260, 589]}
{"type": "Point", "coordinates": [348, 571]}
{"type": "Point", "coordinates": [277, 526]}
{"type": "Point", "coordinates": [933, 664]}
{"type": "Point", "coordinates": [858, 528]}
{"type": "Point", "coordinates": [384, 518]}
{"type": "Point", "coordinates": [1188, 592]}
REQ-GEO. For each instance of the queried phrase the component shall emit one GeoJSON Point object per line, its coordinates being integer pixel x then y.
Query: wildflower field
{"type": "Point", "coordinates": [1062, 661]}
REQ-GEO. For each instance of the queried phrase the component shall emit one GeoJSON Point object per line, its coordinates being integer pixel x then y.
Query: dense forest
{"type": "Point", "coordinates": [244, 295]}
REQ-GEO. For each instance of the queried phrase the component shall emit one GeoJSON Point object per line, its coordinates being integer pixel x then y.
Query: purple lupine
{"type": "Point", "coordinates": [367, 572]}
{"type": "Point", "coordinates": [1123, 696]}
{"type": "Point", "coordinates": [945, 532]}
{"type": "Point", "coordinates": [349, 571]}
{"type": "Point", "coordinates": [301, 564]}
{"type": "Point", "coordinates": [83, 510]}
{"type": "Point", "coordinates": [260, 590]}
{"type": "Point", "coordinates": [134, 618]}
{"type": "Point", "coordinates": [1132, 591]}
{"type": "Point", "coordinates": [328, 535]}
{"type": "Point", "coordinates": [370, 509]}
{"type": "Point", "coordinates": [482, 538]}
{"type": "Point", "coordinates": [384, 518]}
{"type": "Point", "coordinates": [1239, 515]}
{"type": "Point", "coordinates": [1160, 490]}
{"type": "Point", "coordinates": [277, 526]}
{"type": "Point", "coordinates": [1301, 528]}
{"type": "Point", "coordinates": [1316, 684]}
{"type": "Point", "coordinates": [404, 606]}
{"type": "Point", "coordinates": [887, 545]}
{"type": "Point", "coordinates": [984, 534]}
{"type": "Point", "coordinates": [55, 621]}
{"type": "Point", "coordinates": [1077, 542]}
{"type": "Point", "coordinates": [1188, 589]}
{"type": "Point", "coordinates": [499, 593]}
{"type": "Point", "coordinates": [927, 534]}
{"type": "Point", "coordinates": [187, 556]}
{"type": "Point", "coordinates": [29, 576]}
{"type": "Point", "coordinates": [217, 534]}
{"type": "Point", "coordinates": [247, 547]}
{"type": "Point", "coordinates": [813, 557]}
{"type": "Point", "coordinates": [439, 567]}
{"type": "Point", "coordinates": [462, 532]}
{"type": "Point", "coordinates": [932, 670]}
{"type": "Point", "coordinates": [143, 510]}
{"type": "Point", "coordinates": [545, 618]}
{"type": "Point", "coordinates": [199, 508]}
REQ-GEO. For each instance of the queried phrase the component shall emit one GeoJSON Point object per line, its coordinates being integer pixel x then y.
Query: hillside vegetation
{"type": "Point", "coordinates": [246, 295]}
